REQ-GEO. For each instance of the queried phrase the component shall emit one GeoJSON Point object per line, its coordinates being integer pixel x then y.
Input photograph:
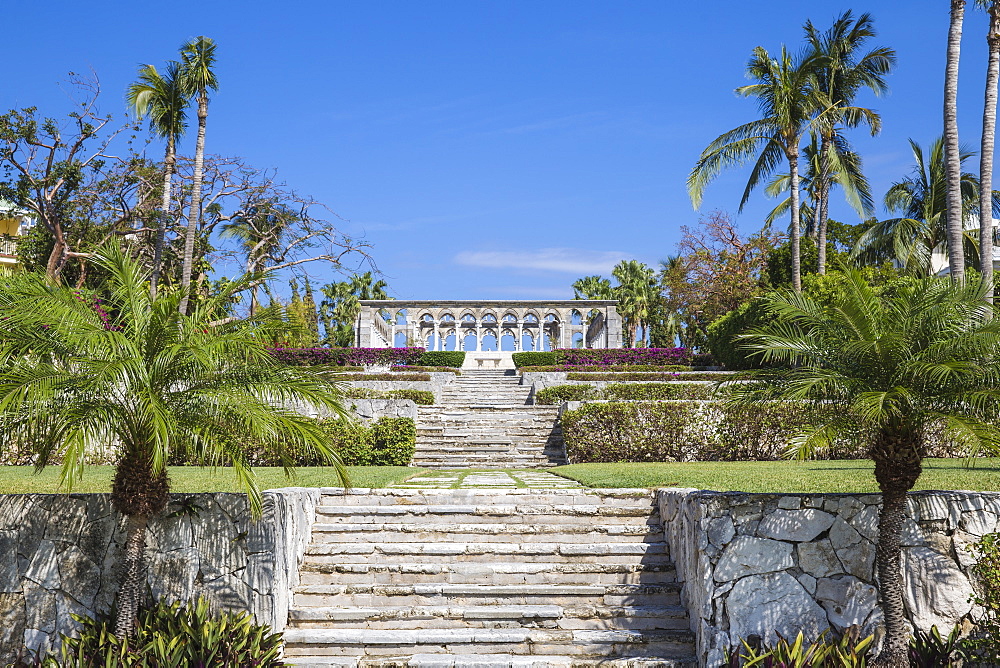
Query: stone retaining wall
{"type": "Point", "coordinates": [766, 563]}
{"type": "Point", "coordinates": [60, 554]}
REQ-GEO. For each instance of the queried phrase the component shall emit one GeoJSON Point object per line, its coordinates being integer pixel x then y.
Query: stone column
{"type": "Point", "coordinates": [437, 337]}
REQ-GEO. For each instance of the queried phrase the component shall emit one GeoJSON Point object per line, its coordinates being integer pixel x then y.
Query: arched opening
{"type": "Point", "coordinates": [449, 342]}
{"type": "Point", "coordinates": [400, 340]}
{"type": "Point", "coordinates": [578, 340]}
{"type": "Point", "coordinates": [576, 318]}
{"type": "Point", "coordinates": [527, 342]}
{"type": "Point", "coordinates": [507, 341]}
{"type": "Point", "coordinates": [401, 317]}
{"type": "Point", "coordinates": [469, 342]}
{"type": "Point", "coordinates": [489, 341]}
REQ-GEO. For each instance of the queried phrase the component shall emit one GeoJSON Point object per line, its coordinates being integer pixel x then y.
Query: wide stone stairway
{"type": "Point", "coordinates": [488, 577]}
{"type": "Point", "coordinates": [484, 421]}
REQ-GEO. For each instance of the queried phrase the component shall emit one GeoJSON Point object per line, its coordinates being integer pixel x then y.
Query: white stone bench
{"type": "Point", "coordinates": [488, 362]}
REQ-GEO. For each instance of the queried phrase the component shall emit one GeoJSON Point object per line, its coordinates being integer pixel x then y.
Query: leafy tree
{"type": "Point", "coordinates": [785, 90]}
{"type": "Point", "coordinates": [340, 306]}
{"type": "Point", "coordinates": [896, 364]}
{"type": "Point", "coordinates": [132, 372]}
{"type": "Point", "coordinates": [197, 75]}
{"type": "Point", "coordinates": [921, 201]}
{"type": "Point", "coordinates": [638, 297]}
{"type": "Point", "coordinates": [163, 99]}
{"type": "Point", "coordinates": [842, 71]}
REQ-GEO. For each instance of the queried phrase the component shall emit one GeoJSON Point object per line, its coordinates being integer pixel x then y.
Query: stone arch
{"type": "Point", "coordinates": [531, 316]}
{"type": "Point", "coordinates": [575, 317]}
{"type": "Point", "coordinates": [509, 317]}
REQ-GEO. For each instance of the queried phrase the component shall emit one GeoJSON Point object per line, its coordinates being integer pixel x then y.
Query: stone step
{"type": "Point", "coordinates": [492, 616]}
{"type": "Point", "coordinates": [596, 552]}
{"type": "Point", "coordinates": [405, 532]}
{"type": "Point", "coordinates": [587, 643]}
{"type": "Point", "coordinates": [511, 513]}
{"type": "Point", "coordinates": [338, 496]}
{"type": "Point", "coordinates": [495, 573]}
{"type": "Point", "coordinates": [486, 661]}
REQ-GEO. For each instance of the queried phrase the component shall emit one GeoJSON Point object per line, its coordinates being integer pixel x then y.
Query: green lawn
{"type": "Point", "coordinates": [784, 476]}
{"type": "Point", "coordinates": [23, 479]}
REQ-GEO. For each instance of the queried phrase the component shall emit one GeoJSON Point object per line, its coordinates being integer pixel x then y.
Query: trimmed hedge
{"type": "Point", "coordinates": [348, 356]}
{"type": "Point", "coordinates": [665, 431]}
{"type": "Point", "coordinates": [387, 442]}
{"type": "Point", "coordinates": [381, 376]}
{"type": "Point", "coordinates": [453, 358]}
{"type": "Point", "coordinates": [623, 392]}
{"type": "Point", "coordinates": [419, 397]}
{"type": "Point", "coordinates": [606, 369]}
{"type": "Point", "coordinates": [624, 356]}
{"type": "Point", "coordinates": [650, 376]}
{"type": "Point", "coordinates": [538, 358]}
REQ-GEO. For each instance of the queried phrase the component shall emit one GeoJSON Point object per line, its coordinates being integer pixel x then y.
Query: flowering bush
{"type": "Point", "coordinates": [348, 356]}
{"type": "Point", "coordinates": [624, 356]}
{"type": "Point", "coordinates": [606, 369]}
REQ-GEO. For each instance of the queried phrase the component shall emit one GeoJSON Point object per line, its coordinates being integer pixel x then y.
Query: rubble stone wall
{"type": "Point", "coordinates": [765, 563]}
{"type": "Point", "coordinates": [61, 554]}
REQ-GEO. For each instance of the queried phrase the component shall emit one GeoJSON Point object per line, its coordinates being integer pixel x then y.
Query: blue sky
{"type": "Point", "coordinates": [490, 149]}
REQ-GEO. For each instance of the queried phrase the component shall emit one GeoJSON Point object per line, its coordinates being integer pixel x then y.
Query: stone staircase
{"type": "Point", "coordinates": [483, 421]}
{"type": "Point", "coordinates": [442, 578]}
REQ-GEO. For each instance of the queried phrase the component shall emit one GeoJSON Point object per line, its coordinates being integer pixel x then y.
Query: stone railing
{"type": "Point", "coordinates": [8, 247]}
{"type": "Point", "coordinates": [757, 564]}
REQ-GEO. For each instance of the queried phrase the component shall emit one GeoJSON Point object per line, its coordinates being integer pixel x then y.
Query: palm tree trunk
{"type": "Point", "coordinates": [986, 152]}
{"type": "Point", "coordinates": [897, 467]}
{"type": "Point", "coordinates": [822, 203]}
{"type": "Point", "coordinates": [195, 209]}
{"type": "Point", "coordinates": [953, 162]}
{"type": "Point", "coordinates": [161, 224]}
{"type": "Point", "coordinates": [134, 578]}
{"type": "Point", "coordinates": [793, 170]}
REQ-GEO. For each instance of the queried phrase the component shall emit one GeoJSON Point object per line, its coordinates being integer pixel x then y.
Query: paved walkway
{"type": "Point", "coordinates": [472, 479]}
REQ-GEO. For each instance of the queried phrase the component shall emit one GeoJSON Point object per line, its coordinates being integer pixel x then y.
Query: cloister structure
{"type": "Point", "coordinates": [489, 325]}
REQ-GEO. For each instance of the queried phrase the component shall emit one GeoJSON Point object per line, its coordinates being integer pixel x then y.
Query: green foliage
{"type": "Point", "coordinates": [779, 263]}
{"type": "Point", "coordinates": [536, 358]}
{"type": "Point", "coordinates": [393, 441]}
{"type": "Point", "coordinates": [656, 391]}
{"type": "Point", "coordinates": [649, 376]}
{"type": "Point", "coordinates": [418, 377]}
{"type": "Point", "coordinates": [608, 368]}
{"type": "Point", "coordinates": [983, 645]}
{"type": "Point", "coordinates": [847, 651]}
{"type": "Point", "coordinates": [722, 335]}
{"type": "Point", "coordinates": [419, 397]}
{"type": "Point", "coordinates": [175, 634]}
{"type": "Point", "coordinates": [452, 358]}
{"type": "Point", "coordinates": [425, 369]}
{"type": "Point", "coordinates": [929, 650]}
{"type": "Point", "coordinates": [560, 393]}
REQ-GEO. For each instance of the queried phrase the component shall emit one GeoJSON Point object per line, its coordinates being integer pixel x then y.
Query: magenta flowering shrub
{"type": "Point", "coordinates": [348, 356]}
{"type": "Point", "coordinates": [624, 356]}
{"type": "Point", "coordinates": [95, 303]}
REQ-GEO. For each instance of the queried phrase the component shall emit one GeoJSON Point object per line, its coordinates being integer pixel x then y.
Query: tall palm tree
{"type": "Point", "coordinates": [842, 71]}
{"type": "Point", "coordinates": [843, 168]}
{"type": "Point", "coordinates": [259, 231]}
{"type": "Point", "coordinates": [911, 239]}
{"type": "Point", "coordinates": [637, 294]}
{"type": "Point", "coordinates": [988, 140]}
{"type": "Point", "coordinates": [164, 100]}
{"type": "Point", "coordinates": [953, 162]}
{"type": "Point", "coordinates": [340, 306]}
{"type": "Point", "coordinates": [198, 76]}
{"type": "Point", "coordinates": [592, 287]}
{"type": "Point", "coordinates": [896, 365]}
{"type": "Point", "coordinates": [785, 91]}
{"type": "Point", "coordinates": [132, 372]}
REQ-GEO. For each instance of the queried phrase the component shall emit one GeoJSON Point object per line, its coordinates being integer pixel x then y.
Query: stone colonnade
{"type": "Point", "coordinates": [429, 324]}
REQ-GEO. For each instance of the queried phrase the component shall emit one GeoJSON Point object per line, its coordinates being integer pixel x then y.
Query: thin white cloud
{"type": "Point", "coordinates": [562, 260]}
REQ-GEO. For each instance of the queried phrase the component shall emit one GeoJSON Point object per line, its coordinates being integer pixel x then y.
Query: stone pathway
{"type": "Point", "coordinates": [472, 479]}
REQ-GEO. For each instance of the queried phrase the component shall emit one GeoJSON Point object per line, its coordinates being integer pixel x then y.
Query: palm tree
{"type": "Point", "coordinates": [163, 99]}
{"type": "Point", "coordinates": [786, 95]}
{"type": "Point", "coordinates": [988, 140]}
{"type": "Point", "coordinates": [955, 220]}
{"type": "Point", "coordinates": [341, 306]}
{"type": "Point", "coordinates": [843, 168]}
{"type": "Point", "coordinates": [198, 77]}
{"type": "Point", "coordinates": [131, 371]}
{"type": "Point", "coordinates": [637, 294]}
{"type": "Point", "coordinates": [592, 287]}
{"type": "Point", "coordinates": [911, 239]}
{"type": "Point", "coordinates": [259, 230]}
{"type": "Point", "coordinates": [841, 73]}
{"type": "Point", "coordinates": [894, 365]}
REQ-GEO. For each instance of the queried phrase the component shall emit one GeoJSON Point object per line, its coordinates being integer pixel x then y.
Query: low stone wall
{"type": "Point", "coordinates": [61, 554]}
{"type": "Point", "coordinates": [435, 384]}
{"type": "Point", "coordinates": [766, 563]}
{"type": "Point", "coordinates": [369, 410]}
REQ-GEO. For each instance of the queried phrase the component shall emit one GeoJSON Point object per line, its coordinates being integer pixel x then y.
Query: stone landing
{"type": "Point", "coordinates": [513, 577]}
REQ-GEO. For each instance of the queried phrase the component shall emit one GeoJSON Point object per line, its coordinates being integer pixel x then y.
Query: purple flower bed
{"type": "Point", "coordinates": [624, 356]}
{"type": "Point", "coordinates": [348, 356]}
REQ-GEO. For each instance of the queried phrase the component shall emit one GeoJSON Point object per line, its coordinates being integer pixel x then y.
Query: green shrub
{"type": "Point", "coordinates": [419, 397]}
{"type": "Point", "coordinates": [631, 432]}
{"type": "Point", "coordinates": [393, 441]}
{"type": "Point", "coordinates": [560, 393]}
{"type": "Point", "coordinates": [721, 335]}
{"type": "Point", "coordinates": [659, 377]}
{"type": "Point", "coordinates": [381, 376]}
{"type": "Point", "coordinates": [452, 358]}
{"type": "Point", "coordinates": [426, 369]}
{"type": "Point", "coordinates": [656, 391]}
{"type": "Point", "coordinates": [607, 369]}
{"type": "Point", "coordinates": [827, 651]}
{"type": "Point", "coordinates": [175, 634]}
{"type": "Point", "coordinates": [537, 358]}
